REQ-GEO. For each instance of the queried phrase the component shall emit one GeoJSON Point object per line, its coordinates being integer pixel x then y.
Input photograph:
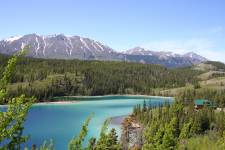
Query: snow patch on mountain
{"type": "Point", "coordinates": [84, 42]}
{"type": "Point", "coordinates": [76, 47]}
{"type": "Point", "coordinates": [14, 38]}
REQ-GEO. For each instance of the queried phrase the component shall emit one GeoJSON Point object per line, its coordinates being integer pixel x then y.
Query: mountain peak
{"type": "Point", "coordinates": [191, 54]}
{"type": "Point", "coordinates": [195, 57]}
{"type": "Point", "coordinates": [138, 51]}
{"type": "Point", "coordinates": [60, 46]}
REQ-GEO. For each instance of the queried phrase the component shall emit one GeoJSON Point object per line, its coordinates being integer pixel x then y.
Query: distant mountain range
{"type": "Point", "coordinates": [76, 47]}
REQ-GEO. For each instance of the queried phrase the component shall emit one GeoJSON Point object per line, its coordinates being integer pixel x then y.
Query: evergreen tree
{"type": "Point", "coordinates": [112, 137]}
{"type": "Point", "coordinates": [196, 127]}
{"type": "Point", "coordinates": [185, 131]}
{"type": "Point", "coordinates": [158, 138]}
{"type": "Point", "coordinates": [76, 142]}
{"type": "Point", "coordinates": [169, 138]}
{"type": "Point", "coordinates": [112, 142]}
{"type": "Point", "coordinates": [102, 142]}
{"type": "Point", "coordinates": [47, 145]}
{"type": "Point", "coordinates": [91, 144]}
{"type": "Point", "coordinates": [107, 141]}
{"type": "Point", "coordinates": [11, 120]}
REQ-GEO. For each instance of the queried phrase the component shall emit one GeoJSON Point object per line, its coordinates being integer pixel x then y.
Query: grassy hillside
{"type": "Point", "coordinates": [210, 84]}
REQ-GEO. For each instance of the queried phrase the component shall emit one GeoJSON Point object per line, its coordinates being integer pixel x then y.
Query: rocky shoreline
{"type": "Point", "coordinates": [131, 137]}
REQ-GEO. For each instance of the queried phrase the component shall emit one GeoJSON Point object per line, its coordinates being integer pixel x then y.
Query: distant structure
{"type": "Point", "coordinates": [200, 103]}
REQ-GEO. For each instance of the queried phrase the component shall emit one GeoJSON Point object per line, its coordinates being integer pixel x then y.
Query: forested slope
{"type": "Point", "coordinates": [47, 78]}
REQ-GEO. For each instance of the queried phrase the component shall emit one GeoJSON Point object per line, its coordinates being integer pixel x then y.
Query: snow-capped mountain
{"type": "Point", "coordinates": [143, 51]}
{"type": "Point", "coordinates": [168, 59]}
{"type": "Point", "coordinates": [138, 51]}
{"type": "Point", "coordinates": [195, 58]}
{"type": "Point", "coordinates": [163, 54]}
{"type": "Point", "coordinates": [59, 47]}
{"type": "Point", "coordinates": [76, 47]}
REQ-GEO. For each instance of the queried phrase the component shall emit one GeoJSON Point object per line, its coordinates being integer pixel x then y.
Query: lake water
{"type": "Point", "coordinates": [61, 122]}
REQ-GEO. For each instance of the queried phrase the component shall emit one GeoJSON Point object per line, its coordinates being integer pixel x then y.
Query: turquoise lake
{"type": "Point", "coordinates": [61, 122]}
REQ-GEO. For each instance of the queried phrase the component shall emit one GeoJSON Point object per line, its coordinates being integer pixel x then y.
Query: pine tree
{"type": "Point", "coordinates": [185, 131]}
{"type": "Point", "coordinates": [158, 138]}
{"type": "Point", "coordinates": [102, 142]}
{"type": "Point", "coordinates": [76, 142]}
{"type": "Point", "coordinates": [91, 144]}
{"type": "Point", "coordinates": [169, 138]}
{"type": "Point", "coordinates": [144, 106]}
{"type": "Point", "coordinates": [107, 141]}
{"type": "Point", "coordinates": [196, 127]}
{"type": "Point", "coordinates": [11, 120]}
{"type": "Point", "coordinates": [150, 132]}
{"type": "Point", "coordinates": [47, 145]}
{"type": "Point", "coordinates": [112, 137]}
{"type": "Point", "coordinates": [112, 141]}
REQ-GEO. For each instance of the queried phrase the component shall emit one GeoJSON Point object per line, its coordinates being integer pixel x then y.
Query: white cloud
{"type": "Point", "coordinates": [214, 55]}
{"type": "Point", "coordinates": [202, 46]}
{"type": "Point", "coordinates": [179, 46]}
{"type": "Point", "coordinates": [206, 42]}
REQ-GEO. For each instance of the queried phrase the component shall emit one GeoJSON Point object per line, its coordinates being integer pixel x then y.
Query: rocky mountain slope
{"type": "Point", "coordinates": [76, 47]}
{"type": "Point", "coordinates": [168, 59]}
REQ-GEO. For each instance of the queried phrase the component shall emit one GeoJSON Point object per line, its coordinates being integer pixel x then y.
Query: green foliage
{"type": "Point", "coordinates": [106, 141]}
{"type": "Point", "coordinates": [169, 137]}
{"type": "Point", "coordinates": [187, 96]}
{"type": "Point", "coordinates": [171, 127]}
{"type": "Point", "coordinates": [152, 130]}
{"type": "Point", "coordinates": [158, 137]}
{"type": "Point", "coordinates": [221, 142]}
{"type": "Point", "coordinates": [102, 142]}
{"type": "Point", "coordinates": [12, 119]}
{"type": "Point", "coordinates": [197, 85]}
{"type": "Point", "coordinates": [76, 142]}
{"type": "Point", "coordinates": [218, 65]}
{"type": "Point", "coordinates": [45, 79]}
{"type": "Point", "coordinates": [91, 144]}
{"type": "Point", "coordinates": [196, 127]}
{"type": "Point", "coordinates": [47, 145]}
{"type": "Point", "coordinates": [185, 131]}
{"type": "Point", "coordinates": [112, 139]}
{"type": "Point", "coordinates": [201, 142]}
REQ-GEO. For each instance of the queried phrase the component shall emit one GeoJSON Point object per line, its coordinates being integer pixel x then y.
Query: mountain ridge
{"type": "Point", "coordinates": [60, 46]}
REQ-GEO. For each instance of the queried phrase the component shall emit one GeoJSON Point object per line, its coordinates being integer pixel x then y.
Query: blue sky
{"type": "Point", "coordinates": [170, 25]}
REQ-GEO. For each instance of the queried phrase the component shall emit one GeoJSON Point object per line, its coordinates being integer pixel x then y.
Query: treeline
{"type": "Point", "coordinates": [218, 65]}
{"type": "Point", "coordinates": [178, 125]}
{"type": "Point", "coordinates": [189, 95]}
{"type": "Point", "coordinates": [48, 78]}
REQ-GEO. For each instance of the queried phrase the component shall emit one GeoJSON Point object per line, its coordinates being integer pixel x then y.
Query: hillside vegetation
{"type": "Point", "coordinates": [210, 84]}
{"type": "Point", "coordinates": [179, 127]}
{"type": "Point", "coordinates": [44, 78]}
